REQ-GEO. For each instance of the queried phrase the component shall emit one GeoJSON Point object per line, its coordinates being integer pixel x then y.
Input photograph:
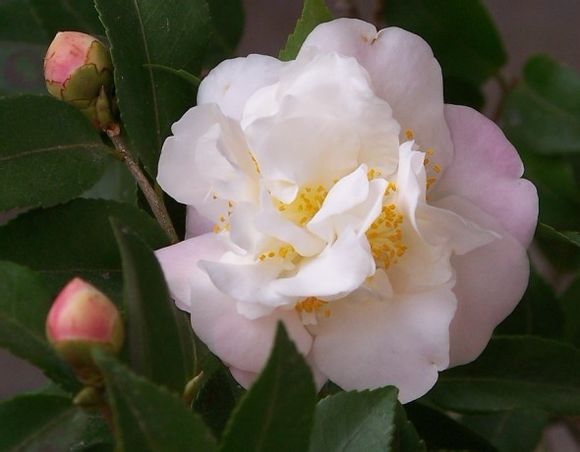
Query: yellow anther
{"type": "Point", "coordinates": [216, 228]}
{"type": "Point", "coordinates": [310, 305]}
{"type": "Point", "coordinates": [386, 237]}
{"type": "Point", "coordinates": [409, 134]}
{"type": "Point", "coordinates": [430, 181]}
{"type": "Point", "coordinates": [437, 168]}
{"type": "Point", "coordinates": [307, 202]}
{"type": "Point", "coordinates": [429, 152]}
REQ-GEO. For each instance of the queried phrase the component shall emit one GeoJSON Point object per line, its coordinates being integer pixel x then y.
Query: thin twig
{"type": "Point", "coordinates": [505, 88]}
{"type": "Point", "coordinates": [155, 201]}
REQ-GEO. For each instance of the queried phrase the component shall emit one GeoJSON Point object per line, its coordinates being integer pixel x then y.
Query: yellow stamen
{"type": "Point", "coordinates": [409, 134]}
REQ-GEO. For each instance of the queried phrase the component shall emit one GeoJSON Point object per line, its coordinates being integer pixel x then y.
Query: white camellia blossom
{"type": "Point", "coordinates": [338, 194]}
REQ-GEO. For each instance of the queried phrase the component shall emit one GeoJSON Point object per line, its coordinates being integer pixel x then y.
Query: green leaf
{"type": "Point", "coordinates": [570, 302]}
{"type": "Point", "coordinates": [514, 372]}
{"type": "Point", "coordinates": [41, 422]}
{"type": "Point", "coordinates": [19, 23]}
{"type": "Point", "coordinates": [62, 15]}
{"type": "Point", "coordinates": [460, 32]}
{"type": "Point", "coordinates": [441, 432]}
{"type": "Point", "coordinates": [461, 92]}
{"type": "Point", "coordinates": [538, 313]}
{"type": "Point", "coordinates": [116, 184]}
{"type": "Point", "coordinates": [570, 237]}
{"type": "Point", "coordinates": [406, 437]}
{"type": "Point", "coordinates": [314, 13]}
{"type": "Point", "coordinates": [511, 431]}
{"type": "Point", "coordinates": [24, 305]}
{"type": "Point", "coordinates": [217, 399]}
{"type": "Point", "coordinates": [276, 414]}
{"type": "Point", "coordinates": [355, 421]}
{"type": "Point", "coordinates": [75, 239]}
{"type": "Point", "coordinates": [159, 338]}
{"type": "Point", "coordinates": [553, 176]}
{"type": "Point", "coordinates": [543, 113]}
{"type": "Point", "coordinates": [226, 28]}
{"type": "Point", "coordinates": [148, 417]}
{"type": "Point", "coordinates": [170, 33]}
{"type": "Point", "coordinates": [49, 152]}
{"type": "Point", "coordinates": [195, 81]}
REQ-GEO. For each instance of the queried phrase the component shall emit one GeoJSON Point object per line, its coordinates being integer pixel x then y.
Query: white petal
{"type": "Point", "coordinates": [207, 153]}
{"type": "Point", "coordinates": [338, 270]}
{"type": "Point", "coordinates": [402, 341]}
{"type": "Point", "coordinates": [403, 72]}
{"type": "Point", "coordinates": [232, 82]}
{"type": "Point", "coordinates": [179, 264]}
{"type": "Point", "coordinates": [353, 203]}
{"type": "Point", "coordinates": [248, 283]}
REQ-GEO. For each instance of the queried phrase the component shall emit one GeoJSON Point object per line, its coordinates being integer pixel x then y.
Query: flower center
{"type": "Point", "coordinates": [310, 308]}
{"type": "Point", "coordinates": [307, 202]}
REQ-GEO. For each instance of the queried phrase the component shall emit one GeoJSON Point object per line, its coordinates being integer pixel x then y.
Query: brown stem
{"type": "Point", "coordinates": [155, 201]}
{"type": "Point", "coordinates": [379, 13]}
{"type": "Point", "coordinates": [505, 88]}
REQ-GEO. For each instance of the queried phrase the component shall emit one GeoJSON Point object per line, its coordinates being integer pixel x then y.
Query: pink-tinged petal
{"type": "Point", "coordinates": [401, 341]}
{"type": "Point", "coordinates": [245, 379]}
{"type": "Point", "coordinates": [486, 170]}
{"type": "Point", "coordinates": [179, 264]}
{"type": "Point", "coordinates": [196, 224]}
{"type": "Point", "coordinates": [490, 281]}
{"type": "Point", "coordinates": [232, 82]}
{"type": "Point", "coordinates": [236, 340]}
{"type": "Point", "coordinates": [403, 72]}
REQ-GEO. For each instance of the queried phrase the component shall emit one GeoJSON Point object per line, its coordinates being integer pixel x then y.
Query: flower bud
{"type": "Point", "coordinates": [78, 70]}
{"type": "Point", "coordinates": [81, 318]}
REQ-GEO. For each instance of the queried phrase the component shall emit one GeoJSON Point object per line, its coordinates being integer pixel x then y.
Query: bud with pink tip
{"type": "Point", "coordinates": [78, 70]}
{"type": "Point", "coordinates": [81, 318]}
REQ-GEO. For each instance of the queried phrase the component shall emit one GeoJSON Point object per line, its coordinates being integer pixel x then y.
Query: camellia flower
{"type": "Point", "coordinates": [338, 194]}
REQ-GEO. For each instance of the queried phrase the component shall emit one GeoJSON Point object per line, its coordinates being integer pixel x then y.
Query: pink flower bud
{"type": "Point", "coordinates": [78, 70]}
{"type": "Point", "coordinates": [80, 318]}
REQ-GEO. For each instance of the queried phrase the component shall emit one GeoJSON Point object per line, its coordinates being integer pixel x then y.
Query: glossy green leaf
{"type": "Point", "coordinates": [355, 421]}
{"type": "Point", "coordinates": [62, 15]}
{"type": "Point", "coordinates": [217, 399]}
{"type": "Point", "coordinates": [147, 417]}
{"type": "Point", "coordinates": [543, 113]}
{"type": "Point", "coordinates": [24, 305]}
{"type": "Point", "coordinates": [49, 153]}
{"type": "Point", "coordinates": [195, 81]}
{"type": "Point", "coordinates": [570, 237]}
{"type": "Point", "coordinates": [75, 239]}
{"type": "Point", "coordinates": [511, 431]}
{"type": "Point", "coordinates": [460, 32]}
{"type": "Point", "coordinates": [538, 313]}
{"type": "Point", "coordinates": [441, 432]}
{"type": "Point", "coordinates": [462, 92]}
{"type": "Point", "coordinates": [314, 12]}
{"type": "Point", "coordinates": [514, 372]}
{"type": "Point", "coordinates": [170, 33]}
{"type": "Point", "coordinates": [42, 422]}
{"type": "Point", "coordinates": [406, 437]}
{"type": "Point", "coordinates": [559, 195]}
{"type": "Point", "coordinates": [159, 338]}
{"type": "Point", "coordinates": [277, 413]}
{"type": "Point", "coordinates": [226, 28]}
{"type": "Point", "coordinates": [116, 184]}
